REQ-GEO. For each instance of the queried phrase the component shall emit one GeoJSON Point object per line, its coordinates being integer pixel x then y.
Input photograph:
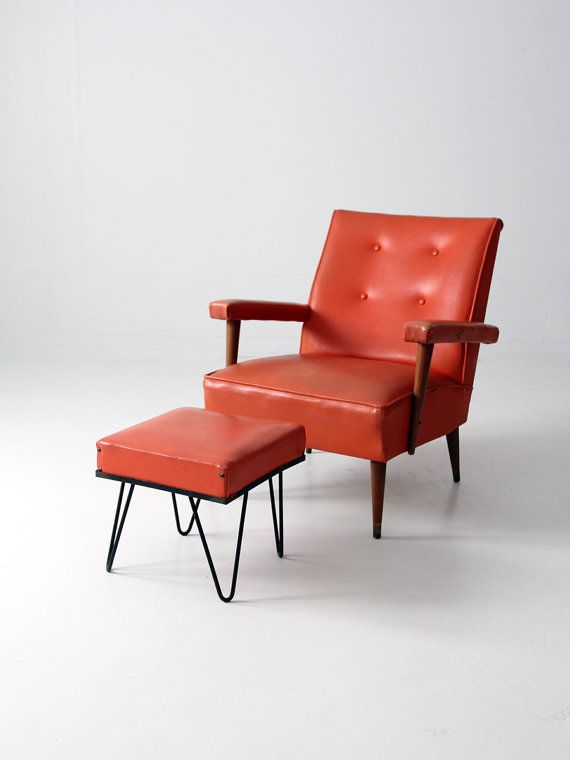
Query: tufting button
{"type": "Point", "coordinates": [435, 253]}
{"type": "Point", "coordinates": [377, 247]}
{"type": "Point", "coordinates": [421, 301]}
{"type": "Point", "coordinates": [363, 296]}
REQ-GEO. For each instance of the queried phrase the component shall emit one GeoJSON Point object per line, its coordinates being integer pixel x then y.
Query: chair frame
{"type": "Point", "coordinates": [425, 333]}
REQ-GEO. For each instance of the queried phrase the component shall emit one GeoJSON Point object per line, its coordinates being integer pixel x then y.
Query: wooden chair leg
{"type": "Point", "coordinates": [453, 448]}
{"type": "Point", "coordinates": [378, 482]}
{"type": "Point", "coordinates": [232, 341]}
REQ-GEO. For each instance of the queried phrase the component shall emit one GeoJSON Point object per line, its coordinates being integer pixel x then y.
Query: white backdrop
{"type": "Point", "coordinates": [157, 155]}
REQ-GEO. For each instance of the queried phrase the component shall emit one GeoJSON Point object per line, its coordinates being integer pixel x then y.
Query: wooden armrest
{"type": "Point", "coordinates": [234, 311]}
{"type": "Point", "coordinates": [426, 334]}
{"type": "Point", "coordinates": [441, 331]}
{"type": "Point", "coordinates": [281, 311]}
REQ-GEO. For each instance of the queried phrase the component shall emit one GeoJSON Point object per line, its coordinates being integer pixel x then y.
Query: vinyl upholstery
{"type": "Point", "coordinates": [202, 451]}
{"type": "Point", "coordinates": [359, 407]}
{"type": "Point", "coordinates": [378, 271]}
{"type": "Point", "coordinates": [351, 383]}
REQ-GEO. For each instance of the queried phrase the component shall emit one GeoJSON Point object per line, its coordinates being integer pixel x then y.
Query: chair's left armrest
{"type": "Point", "coordinates": [441, 331]}
{"type": "Point", "coordinates": [279, 311]}
{"type": "Point", "coordinates": [233, 311]}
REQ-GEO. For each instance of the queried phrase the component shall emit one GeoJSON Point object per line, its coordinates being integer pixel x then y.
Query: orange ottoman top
{"type": "Point", "coordinates": [207, 453]}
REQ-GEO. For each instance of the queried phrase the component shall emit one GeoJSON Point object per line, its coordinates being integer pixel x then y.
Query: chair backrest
{"type": "Point", "coordinates": [378, 271]}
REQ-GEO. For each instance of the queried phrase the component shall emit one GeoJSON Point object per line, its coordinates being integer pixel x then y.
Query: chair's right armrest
{"type": "Point", "coordinates": [280, 311]}
{"type": "Point", "coordinates": [432, 331]}
{"type": "Point", "coordinates": [426, 333]}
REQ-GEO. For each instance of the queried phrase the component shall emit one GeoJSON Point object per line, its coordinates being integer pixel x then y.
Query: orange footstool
{"type": "Point", "coordinates": [203, 455]}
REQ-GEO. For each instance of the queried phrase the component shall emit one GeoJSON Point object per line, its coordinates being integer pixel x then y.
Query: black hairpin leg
{"type": "Point", "coordinates": [277, 530]}
{"type": "Point", "coordinates": [118, 525]}
{"type": "Point", "coordinates": [177, 516]}
{"type": "Point", "coordinates": [230, 596]}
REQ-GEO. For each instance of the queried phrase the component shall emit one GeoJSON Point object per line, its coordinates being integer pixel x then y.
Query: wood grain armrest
{"type": "Point", "coordinates": [280, 311]}
{"type": "Point", "coordinates": [233, 311]}
{"type": "Point", "coordinates": [441, 331]}
{"type": "Point", "coordinates": [426, 334]}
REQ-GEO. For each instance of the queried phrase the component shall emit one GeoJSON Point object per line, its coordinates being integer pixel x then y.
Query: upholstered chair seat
{"type": "Point", "coordinates": [359, 407]}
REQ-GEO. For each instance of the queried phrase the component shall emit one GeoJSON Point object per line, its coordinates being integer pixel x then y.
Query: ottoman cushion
{"type": "Point", "coordinates": [197, 450]}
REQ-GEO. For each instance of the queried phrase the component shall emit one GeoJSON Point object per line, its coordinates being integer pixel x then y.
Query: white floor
{"type": "Point", "coordinates": [450, 638]}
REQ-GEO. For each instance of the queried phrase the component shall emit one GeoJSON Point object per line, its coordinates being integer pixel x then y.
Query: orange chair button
{"type": "Point", "coordinates": [377, 247]}
{"type": "Point", "coordinates": [435, 253]}
{"type": "Point", "coordinates": [363, 296]}
{"type": "Point", "coordinates": [422, 301]}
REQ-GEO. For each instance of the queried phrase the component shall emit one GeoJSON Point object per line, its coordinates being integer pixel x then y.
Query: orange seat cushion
{"type": "Point", "coordinates": [201, 451]}
{"type": "Point", "coordinates": [347, 405]}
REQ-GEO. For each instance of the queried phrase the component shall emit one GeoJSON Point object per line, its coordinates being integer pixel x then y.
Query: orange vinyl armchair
{"type": "Point", "coordinates": [389, 341]}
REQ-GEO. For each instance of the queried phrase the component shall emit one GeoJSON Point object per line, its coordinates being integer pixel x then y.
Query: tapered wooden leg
{"type": "Point", "coordinates": [423, 362]}
{"type": "Point", "coordinates": [309, 451]}
{"type": "Point", "coordinates": [232, 341]}
{"type": "Point", "coordinates": [453, 448]}
{"type": "Point", "coordinates": [378, 481]}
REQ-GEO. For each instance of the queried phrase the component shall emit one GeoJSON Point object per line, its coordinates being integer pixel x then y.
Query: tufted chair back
{"type": "Point", "coordinates": [378, 271]}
